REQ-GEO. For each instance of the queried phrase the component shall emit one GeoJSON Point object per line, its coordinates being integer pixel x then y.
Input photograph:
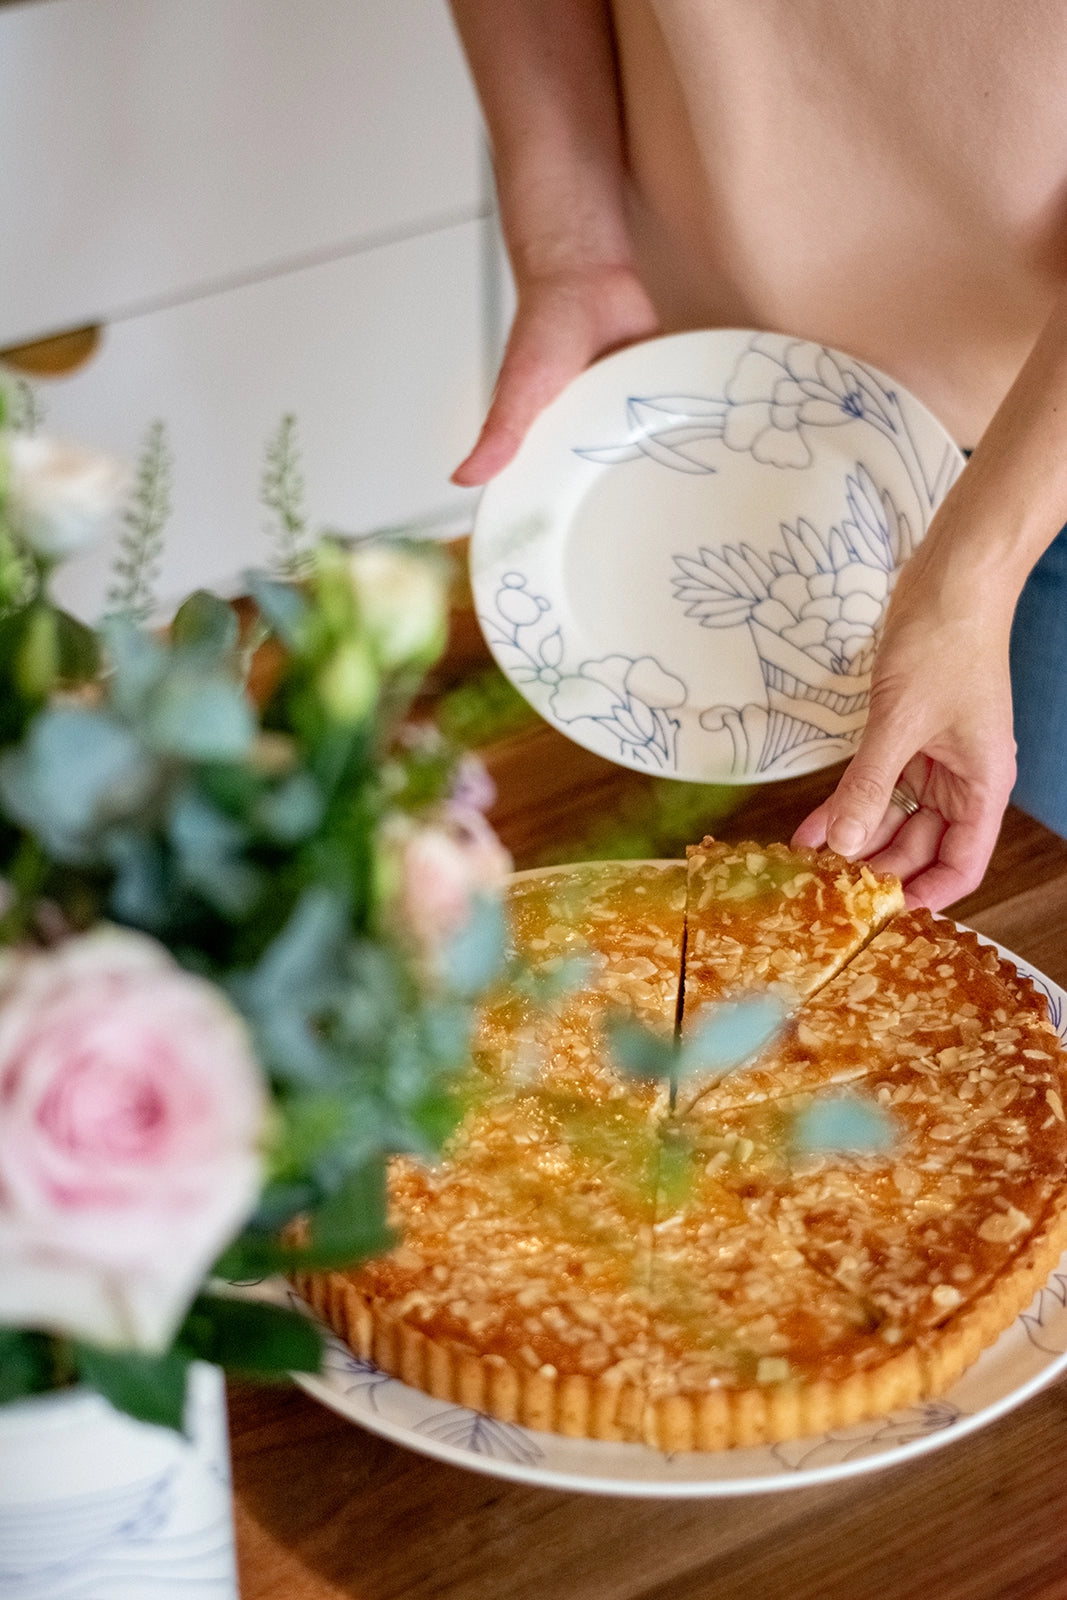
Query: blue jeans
{"type": "Point", "coordinates": [1039, 689]}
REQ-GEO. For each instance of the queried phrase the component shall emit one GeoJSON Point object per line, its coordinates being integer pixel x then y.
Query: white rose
{"type": "Point", "coordinates": [403, 603]}
{"type": "Point", "coordinates": [62, 496]}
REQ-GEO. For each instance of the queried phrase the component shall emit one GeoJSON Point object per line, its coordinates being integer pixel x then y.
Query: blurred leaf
{"type": "Point", "coordinates": [207, 625]}
{"type": "Point", "coordinates": [208, 847]}
{"type": "Point", "coordinates": [299, 977]}
{"type": "Point", "coordinates": [138, 662]}
{"type": "Point", "coordinates": [283, 606]}
{"type": "Point", "coordinates": [149, 1387]}
{"type": "Point", "coordinates": [79, 650]}
{"type": "Point", "coordinates": [351, 1223]}
{"type": "Point", "coordinates": [75, 771]}
{"type": "Point", "coordinates": [475, 955]}
{"type": "Point", "coordinates": [292, 810]}
{"type": "Point", "coordinates": [484, 708]}
{"type": "Point", "coordinates": [250, 1336]}
{"type": "Point", "coordinates": [198, 715]}
{"type": "Point", "coordinates": [843, 1123]}
{"type": "Point", "coordinates": [730, 1033]}
{"type": "Point", "coordinates": [26, 1365]}
{"type": "Point", "coordinates": [641, 1051]}
{"type": "Point", "coordinates": [36, 663]}
{"type": "Point", "coordinates": [139, 893]}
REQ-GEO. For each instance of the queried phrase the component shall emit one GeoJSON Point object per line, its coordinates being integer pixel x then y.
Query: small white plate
{"type": "Point", "coordinates": [1028, 1355]}
{"type": "Point", "coordinates": [685, 567]}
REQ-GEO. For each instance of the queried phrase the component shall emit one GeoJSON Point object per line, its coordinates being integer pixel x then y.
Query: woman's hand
{"type": "Point", "coordinates": [565, 320]}
{"type": "Point", "coordinates": [940, 725]}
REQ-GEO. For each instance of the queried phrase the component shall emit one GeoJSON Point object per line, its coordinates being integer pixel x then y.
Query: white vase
{"type": "Point", "coordinates": [96, 1506]}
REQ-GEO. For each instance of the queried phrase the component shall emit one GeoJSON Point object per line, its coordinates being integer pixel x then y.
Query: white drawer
{"type": "Point", "coordinates": [156, 148]}
{"type": "Point", "coordinates": [380, 359]}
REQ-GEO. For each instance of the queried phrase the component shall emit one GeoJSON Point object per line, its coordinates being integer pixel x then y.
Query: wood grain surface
{"type": "Point", "coordinates": [327, 1511]}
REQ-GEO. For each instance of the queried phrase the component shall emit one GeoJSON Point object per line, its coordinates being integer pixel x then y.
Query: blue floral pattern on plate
{"type": "Point", "coordinates": [810, 591]}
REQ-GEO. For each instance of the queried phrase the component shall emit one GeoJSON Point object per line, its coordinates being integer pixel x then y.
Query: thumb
{"type": "Point", "coordinates": [861, 799]}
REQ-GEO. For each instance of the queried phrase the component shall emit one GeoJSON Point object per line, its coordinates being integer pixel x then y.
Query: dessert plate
{"type": "Point", "coordinates": [1029, 1354]}
{"type": "Point", "coordinates": [685, 567]}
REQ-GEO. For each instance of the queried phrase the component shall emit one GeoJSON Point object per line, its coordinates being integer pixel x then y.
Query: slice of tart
{"type": "Point", "coordinates": [752, 1343]}
{"type": "Point", "coordinates": [774, 918]}
{"type": "Point", "coordinates": [919, 986]}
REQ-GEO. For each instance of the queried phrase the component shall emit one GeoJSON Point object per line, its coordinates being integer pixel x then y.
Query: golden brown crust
{"type": "Point", "coordinates": [544, 1280]}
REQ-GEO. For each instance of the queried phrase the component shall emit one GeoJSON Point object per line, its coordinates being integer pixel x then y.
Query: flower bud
{"type": "Point", "coordinates": [348, 682]}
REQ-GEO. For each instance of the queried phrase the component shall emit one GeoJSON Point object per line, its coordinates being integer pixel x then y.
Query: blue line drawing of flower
{"type": "Point", "coordinates": [482, 1435]}
{"type": "Point", "coordinates": [851, 1444]}
{"type": "Point", "coordinates": [512, 631]}
{"type": "Point", "coordinates": [1044, 1322]}
{"type": "Point", "coordinates": [630, 698]}
{"type": "Point", "coordinates": [814, 609]}
{"type": "Point", "coordinates": [779, 391]}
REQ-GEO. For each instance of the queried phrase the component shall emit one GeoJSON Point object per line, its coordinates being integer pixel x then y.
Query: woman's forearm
{"type": "Point", "coordinates": [1011, 501]}
{"type": "Point", "coordinates": [545, 75]}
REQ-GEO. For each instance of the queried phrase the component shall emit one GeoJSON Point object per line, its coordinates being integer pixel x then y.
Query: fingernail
{"type": "Point", "coordinates": [846, 836]}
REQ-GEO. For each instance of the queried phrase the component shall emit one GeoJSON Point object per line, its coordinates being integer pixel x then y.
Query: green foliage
{"type": "Point", "coordinates": [141, 784]}
{"type": "Point", "coordinates": [149, 1387]}
{"type": "Point", "coordinates": [27, 1364]}
{"type": "Point", "coordinates": [136, 567]}
{"type": "Point", "coordinates": [282, 493]}
{"type": "Point", "coordinates": [484, 708]}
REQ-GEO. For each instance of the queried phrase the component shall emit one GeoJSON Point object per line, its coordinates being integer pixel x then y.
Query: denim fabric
{"type": "Point", "coordinates": [1039, 689]}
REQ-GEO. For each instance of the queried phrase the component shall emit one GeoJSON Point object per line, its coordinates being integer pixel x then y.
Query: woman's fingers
{"type": "Point", "coordinates": [563, 323]}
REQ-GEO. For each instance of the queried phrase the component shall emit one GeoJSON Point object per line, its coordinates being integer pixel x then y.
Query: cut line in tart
{"type": "Point", "coordinates": [589, 1260]}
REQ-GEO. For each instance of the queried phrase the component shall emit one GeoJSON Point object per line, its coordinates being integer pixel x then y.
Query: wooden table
{"type": "Point", "coordinates": [326, 1510]}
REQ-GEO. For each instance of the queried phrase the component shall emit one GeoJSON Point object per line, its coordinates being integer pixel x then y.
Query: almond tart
{"type": "Point", "coordinates": [593, 1258]}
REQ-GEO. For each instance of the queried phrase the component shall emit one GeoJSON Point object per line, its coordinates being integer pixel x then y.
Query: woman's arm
{"type": "Point", "coordinates": [545, 74]}
{"type": "Point", "coordinates": [941, 711]}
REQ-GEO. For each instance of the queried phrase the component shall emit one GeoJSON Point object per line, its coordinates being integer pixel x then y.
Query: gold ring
{"type": "Point", "coordinates": [905, 800]}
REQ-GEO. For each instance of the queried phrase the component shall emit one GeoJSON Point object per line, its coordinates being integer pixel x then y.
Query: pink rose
{"type": "Point", "coordinates": [445, 865]}
{"type": "Point", "coordinates": [131, 1110]}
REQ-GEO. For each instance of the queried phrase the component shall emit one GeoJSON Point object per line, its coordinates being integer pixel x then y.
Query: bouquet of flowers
{"type": "Point", "coordinates": [247, 906]}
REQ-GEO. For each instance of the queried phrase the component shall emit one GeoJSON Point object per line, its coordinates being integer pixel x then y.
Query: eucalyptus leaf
{"type": "Point", "coordinates": [475, 955]}
{"type": "Point", "coordinates": [292, 810]}
{"type": "Point", "coordinates": [284, 607]}
{"type": "Point", "coordinates": [138, 662]}
{"type": "Point", "coordinates": [843, 1124]}
{"type": "Point", "coordinates": [641, 1051]}
{"type": "Point", "coordinates": [151, 1388]}
{"type": "Point", "coordinates": [76, 770]}
{"type": "Point", "coordinates": [206, 625]}
{"type": "Point", "coordinates": [731, 1033]}
{"type": "Point", "coordinates": [301, 975]}
{"type": "Point", "coordinates": [197, 715]}
{"type": "Point", "coordinates": [139, 894]}
{"type": "Point", "coordinates": [208, 846]}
